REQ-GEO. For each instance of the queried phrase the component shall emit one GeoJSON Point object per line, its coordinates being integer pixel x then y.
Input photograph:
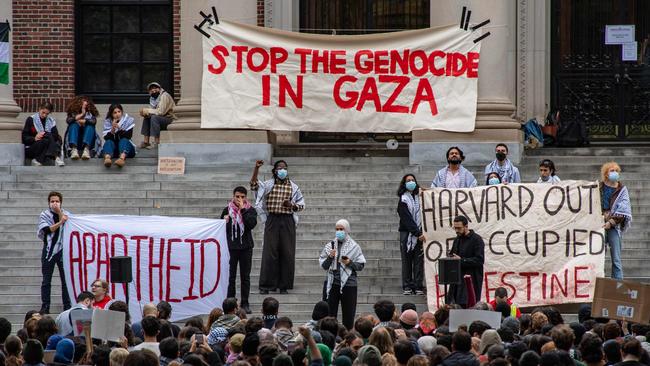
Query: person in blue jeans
{"type": "Point", "coordinates": [81, 135]}
{"type": "Point", "coordinates": [617, 212]}
{"type": "Point", "coordinates": [118, 131]}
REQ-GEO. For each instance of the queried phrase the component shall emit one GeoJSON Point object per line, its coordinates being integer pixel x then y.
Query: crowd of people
{"type": "Point", "coordinates": [44, 143]}
{"type": "Point", "coordinates": [387, 337]}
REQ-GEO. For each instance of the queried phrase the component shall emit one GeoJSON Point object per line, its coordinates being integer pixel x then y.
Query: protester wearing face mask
{"type": "Point", "coordinates": [454, 175]}
{"type": "Point", "coordinates": [342, 259]}
{"type": "Point", "coordinates": [547, 172]}
{"type": "Point", "coordinates": [158, 116]}
{"type": "Point", "coordinates": [502, 165]}
{"type": "Point", "coordinates": [411, 236]}
{"type": "Point", "coordinates": [277, 201]}
{"type": "Point", "coordinates": [469, 248]}
{"type": "Point", "coordinates": [492, 179]}
{"type": "Point", "coordinates": [617, 212]}
{"type": "Point", "coordinates": [49, 224]}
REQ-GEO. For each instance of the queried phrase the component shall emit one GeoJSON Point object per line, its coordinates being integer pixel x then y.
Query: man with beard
{"type": "Point", "coordinates": [469, 248]}
{"type": "Point", "coordinates": [502, 166]}
{"type": "Point", "coordinates": [454, 175]}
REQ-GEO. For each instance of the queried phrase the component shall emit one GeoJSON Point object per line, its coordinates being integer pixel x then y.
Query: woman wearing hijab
{"type": "Point", "coordinates": [411, 237]}
{"type": "Point", "coordinates": [342, 259]}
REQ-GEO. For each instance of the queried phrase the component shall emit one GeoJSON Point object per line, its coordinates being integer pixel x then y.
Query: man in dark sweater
{"type": "Point", "coordinates": [241, 219]}
{"type": "Point", "coordinates": [470, 249]}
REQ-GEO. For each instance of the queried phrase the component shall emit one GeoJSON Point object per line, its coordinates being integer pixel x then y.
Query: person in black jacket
{"type": "Point", "coordinates": [241, 219]}
{"type": "Point", "coordinates": [410, 235]}
{"type": "Point", "coordinates": [469, 248]}
{"type": "Point", "coordinates": [461, 345]}
{"type": "Point", "coordinates": [41, 137]}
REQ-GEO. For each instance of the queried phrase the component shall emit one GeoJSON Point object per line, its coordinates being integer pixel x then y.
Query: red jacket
{"type": "Point", "coordinates": [102, 304]}
{"type": "Point", "coordinates": [493, 303]}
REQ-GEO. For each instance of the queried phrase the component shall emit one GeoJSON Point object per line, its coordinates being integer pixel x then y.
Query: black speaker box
{"type": "Point", "coordinates": [121, 270]}
{"type": "Point", "coordinates": [449, 271]}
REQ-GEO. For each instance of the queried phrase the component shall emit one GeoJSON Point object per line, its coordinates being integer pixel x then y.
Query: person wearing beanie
{"type": "Point", "coordinates": [369, 355]}
{"type": "Point", "coordinates": [512, 324]}
{"type": "Point", "coordinates": [408, 319]}
{"type": "Point", "coordinates": [426, 343]}
{"type": "Point", "coordinates": [342, 258]}
{"type": "Point", "coordinates": [52, 342]}
{"type": "Point", "coordinates": [342, 361]}
{"type": "Point", "coordinates": [235, 343]}
{"type": "Point", "coordinates": [64, 351]}
{"type": "Point", "coordinates": [427, 323]}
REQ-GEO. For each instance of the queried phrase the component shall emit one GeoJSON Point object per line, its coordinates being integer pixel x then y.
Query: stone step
{"type": "Point", "coordinates": [595, 150]}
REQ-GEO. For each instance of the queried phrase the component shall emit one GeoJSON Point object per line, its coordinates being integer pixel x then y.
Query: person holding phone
{"type": "Point", "coordinates": [41, 137]}
{"type": "Point", "coordinates": [277, 201]}
{"type": "Point", "coordinates": [342, 258]}
{"type": "Point", "coordinates": [241, 219]}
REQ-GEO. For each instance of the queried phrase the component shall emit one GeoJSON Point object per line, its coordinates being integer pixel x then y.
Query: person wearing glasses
{"type": "Point", "coordinates": [99, 288]}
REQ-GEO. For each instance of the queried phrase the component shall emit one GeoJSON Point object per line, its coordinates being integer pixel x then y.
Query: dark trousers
{"type": "Point", "coordinates": [152, 125]}
{"type": "Point", "coordinates": [412, 264]}
{"type": "Point", "coordinates": [278, 253]}
{"type": "Point", "coordinates": [41, 150]}
{"type": "Point", "coordinates": [47, 268]}
{"type": "Point", "coordinates": [243, 257]}
{"type": "Point", "coordinates": [348, 300]}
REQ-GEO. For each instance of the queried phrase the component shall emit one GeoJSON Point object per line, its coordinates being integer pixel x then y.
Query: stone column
{"type": "Point", "coordinates": [185, 136]}
{"type": "Point", "coordinates": [495, 120]}
{"type": "Point", "coordinates": [11, 148]}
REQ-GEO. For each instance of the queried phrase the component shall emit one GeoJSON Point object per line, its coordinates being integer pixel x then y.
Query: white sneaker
{"type": "Point", "coordinates": [86, 154]}
{"type": "Point", "coordinates": [36, 163]}
{"type": "Point", "coordinates": [58, 161]}
{"type": "Point", "coordinates": [74, 154]}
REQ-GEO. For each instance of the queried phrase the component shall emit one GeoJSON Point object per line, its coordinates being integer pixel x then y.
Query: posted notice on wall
{"type": "Point", "coordinates": [261, 78]}
{"type": "Point", "coordinates": [619, 34]}
{"type": "Point", "coordinates": [544, 243]}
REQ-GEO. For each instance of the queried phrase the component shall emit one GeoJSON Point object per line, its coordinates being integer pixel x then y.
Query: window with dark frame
{"type": "Point", "coordinates": [122, 45]}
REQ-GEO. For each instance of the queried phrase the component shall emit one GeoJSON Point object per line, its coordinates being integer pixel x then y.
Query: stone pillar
{"type": "Point", "coordinates": [495, 120]}
{"type": "Point", "coordinates": [185, 136]}
{"type": "Point", "coordinates": [11, 148]}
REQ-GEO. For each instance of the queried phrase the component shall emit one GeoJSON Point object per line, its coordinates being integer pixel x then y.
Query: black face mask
{"type": "Point", "coordinates": [155, 95]}
{"type": "Point", "coordinates": [454, 161]}
{"type": "Point", "coordinates": [501, 156]}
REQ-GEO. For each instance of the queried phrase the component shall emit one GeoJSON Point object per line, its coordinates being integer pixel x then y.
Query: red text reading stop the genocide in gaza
{"type": "Point", "coordinates": [398, 68]}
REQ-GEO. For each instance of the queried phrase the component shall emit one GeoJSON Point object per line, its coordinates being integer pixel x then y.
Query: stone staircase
{"type": "Point", "coordinates": [359, 188]}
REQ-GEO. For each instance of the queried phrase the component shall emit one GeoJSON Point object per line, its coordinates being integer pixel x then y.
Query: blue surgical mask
{"type": "Point", "coordinates": [613, 176]}
{"type": "Point", "coordinates": [340, 235]}
{"type": "Point", "coordinates": [281, 173]}
{"type": "Point", "coordinates": [493, 181]}
{"type": "Point", "coordinates": [410, 185]}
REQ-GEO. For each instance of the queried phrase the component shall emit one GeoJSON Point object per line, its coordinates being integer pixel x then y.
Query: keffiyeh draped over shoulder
{"type": "Point", "coordinates": [126, 123]}
{"type": "Point", "coordinates": [413, 204]}
{"type": "Point", "coordinates": [38, 125]}
{"type": "Point", "coordinates": [623, 208]}
{"type": "Point", "coordinates": [349, 249]}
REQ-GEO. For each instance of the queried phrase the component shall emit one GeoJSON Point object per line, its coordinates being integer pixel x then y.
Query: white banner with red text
{"type": "Point", "coordinates": [181, 260]}
{"type": "Point", "coordinates": [262, 78]}
{"type": "Point", "coordinates": [543, 243]}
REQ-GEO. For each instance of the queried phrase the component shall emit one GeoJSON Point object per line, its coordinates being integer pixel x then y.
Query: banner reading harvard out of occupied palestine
{"type": "Point", "coordinates": [544, 243]}
{"type": "Point", "coordinates": [261, 78]}
{"type": "Point", "coordinates": [177, 259]}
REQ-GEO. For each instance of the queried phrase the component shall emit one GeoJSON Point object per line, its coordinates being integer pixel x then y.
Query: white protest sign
{"type": "Point", "coordinates": [181, 260]}
{"type": "Point", "coordinates": [544, 243]}
{"type": "Point", "coordinates": [261, 78]}
{"type": "Point", "coordinates": [459, 317]}
{"type": "Point", "coordinates": [107, 325]}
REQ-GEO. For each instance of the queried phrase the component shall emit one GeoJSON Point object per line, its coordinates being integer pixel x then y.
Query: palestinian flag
{"type": "Point", "coordinates": [4, 53]}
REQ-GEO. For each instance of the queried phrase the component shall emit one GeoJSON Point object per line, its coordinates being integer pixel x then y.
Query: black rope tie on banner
{"type": "Point", "coordinates": [464, 24]}
{"type": "Point", "coordinates": [212, 19]}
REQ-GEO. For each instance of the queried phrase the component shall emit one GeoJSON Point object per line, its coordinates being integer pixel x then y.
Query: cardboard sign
{"type": "Point", "coordinates": [619, 34]}
{"type": "Point", "coordinates": [544, 243]}
{"type": "Point", "coordinates": [622, 300]}
{"type": "Point", "coordinates": [458, 317]}
{"type": "Point", "coordinates": [262, 78]}
{"type": "Point", "coordinates": [79, 317]}
{"type": "Point", "coordinates": [171, 165]}
{"type": "Point", "coordinates": [107, 325]}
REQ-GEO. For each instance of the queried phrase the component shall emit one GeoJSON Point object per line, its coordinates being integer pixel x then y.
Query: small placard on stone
{"type": "Point", "coordinates": [171, 165]}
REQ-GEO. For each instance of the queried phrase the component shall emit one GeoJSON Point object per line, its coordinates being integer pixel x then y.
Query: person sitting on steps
{"type": "Point", "coordinates": [118, 130]}
{"type": "Point", "coordinates": [158, 117]}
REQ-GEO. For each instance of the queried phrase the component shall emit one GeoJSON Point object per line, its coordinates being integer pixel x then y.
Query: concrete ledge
{"type": "Point", "coordinates": [217, 153]}
{"type": "Point", "coordinates": [428, 153]}
{"type": "Point", "coordinates": [12, 154]}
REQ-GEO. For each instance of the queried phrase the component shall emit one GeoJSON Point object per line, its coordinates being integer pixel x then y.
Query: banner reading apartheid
{"type": "Point", "coordinates": [181, 260]}
{"type": "Point", "coordinates": [262, 78]}
{"type": "Point", "coordinates": [544, 243]}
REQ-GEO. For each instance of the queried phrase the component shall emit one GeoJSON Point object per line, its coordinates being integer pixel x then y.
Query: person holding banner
{"type": "Point", "coordinates": [118, 131]}
{"type": "Point", "coordinates": [410, 235]}
{"type": "Point", "coordinates": [241, 219]}
{"type": "Point", "coordinates": [454, 175]}
{"type": "Point", "coordinates": [469, 248]}
{"type": "Point", "coordinates": [277, 201]}
{"type": "Point", "coordinates": [503, 166]}
{"type": "Point", "coordinates": [49, 231]}
{"type": "Point", "coordinates": [617, 211]}
{"type": "Point", "coordinates": [342, 258]}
